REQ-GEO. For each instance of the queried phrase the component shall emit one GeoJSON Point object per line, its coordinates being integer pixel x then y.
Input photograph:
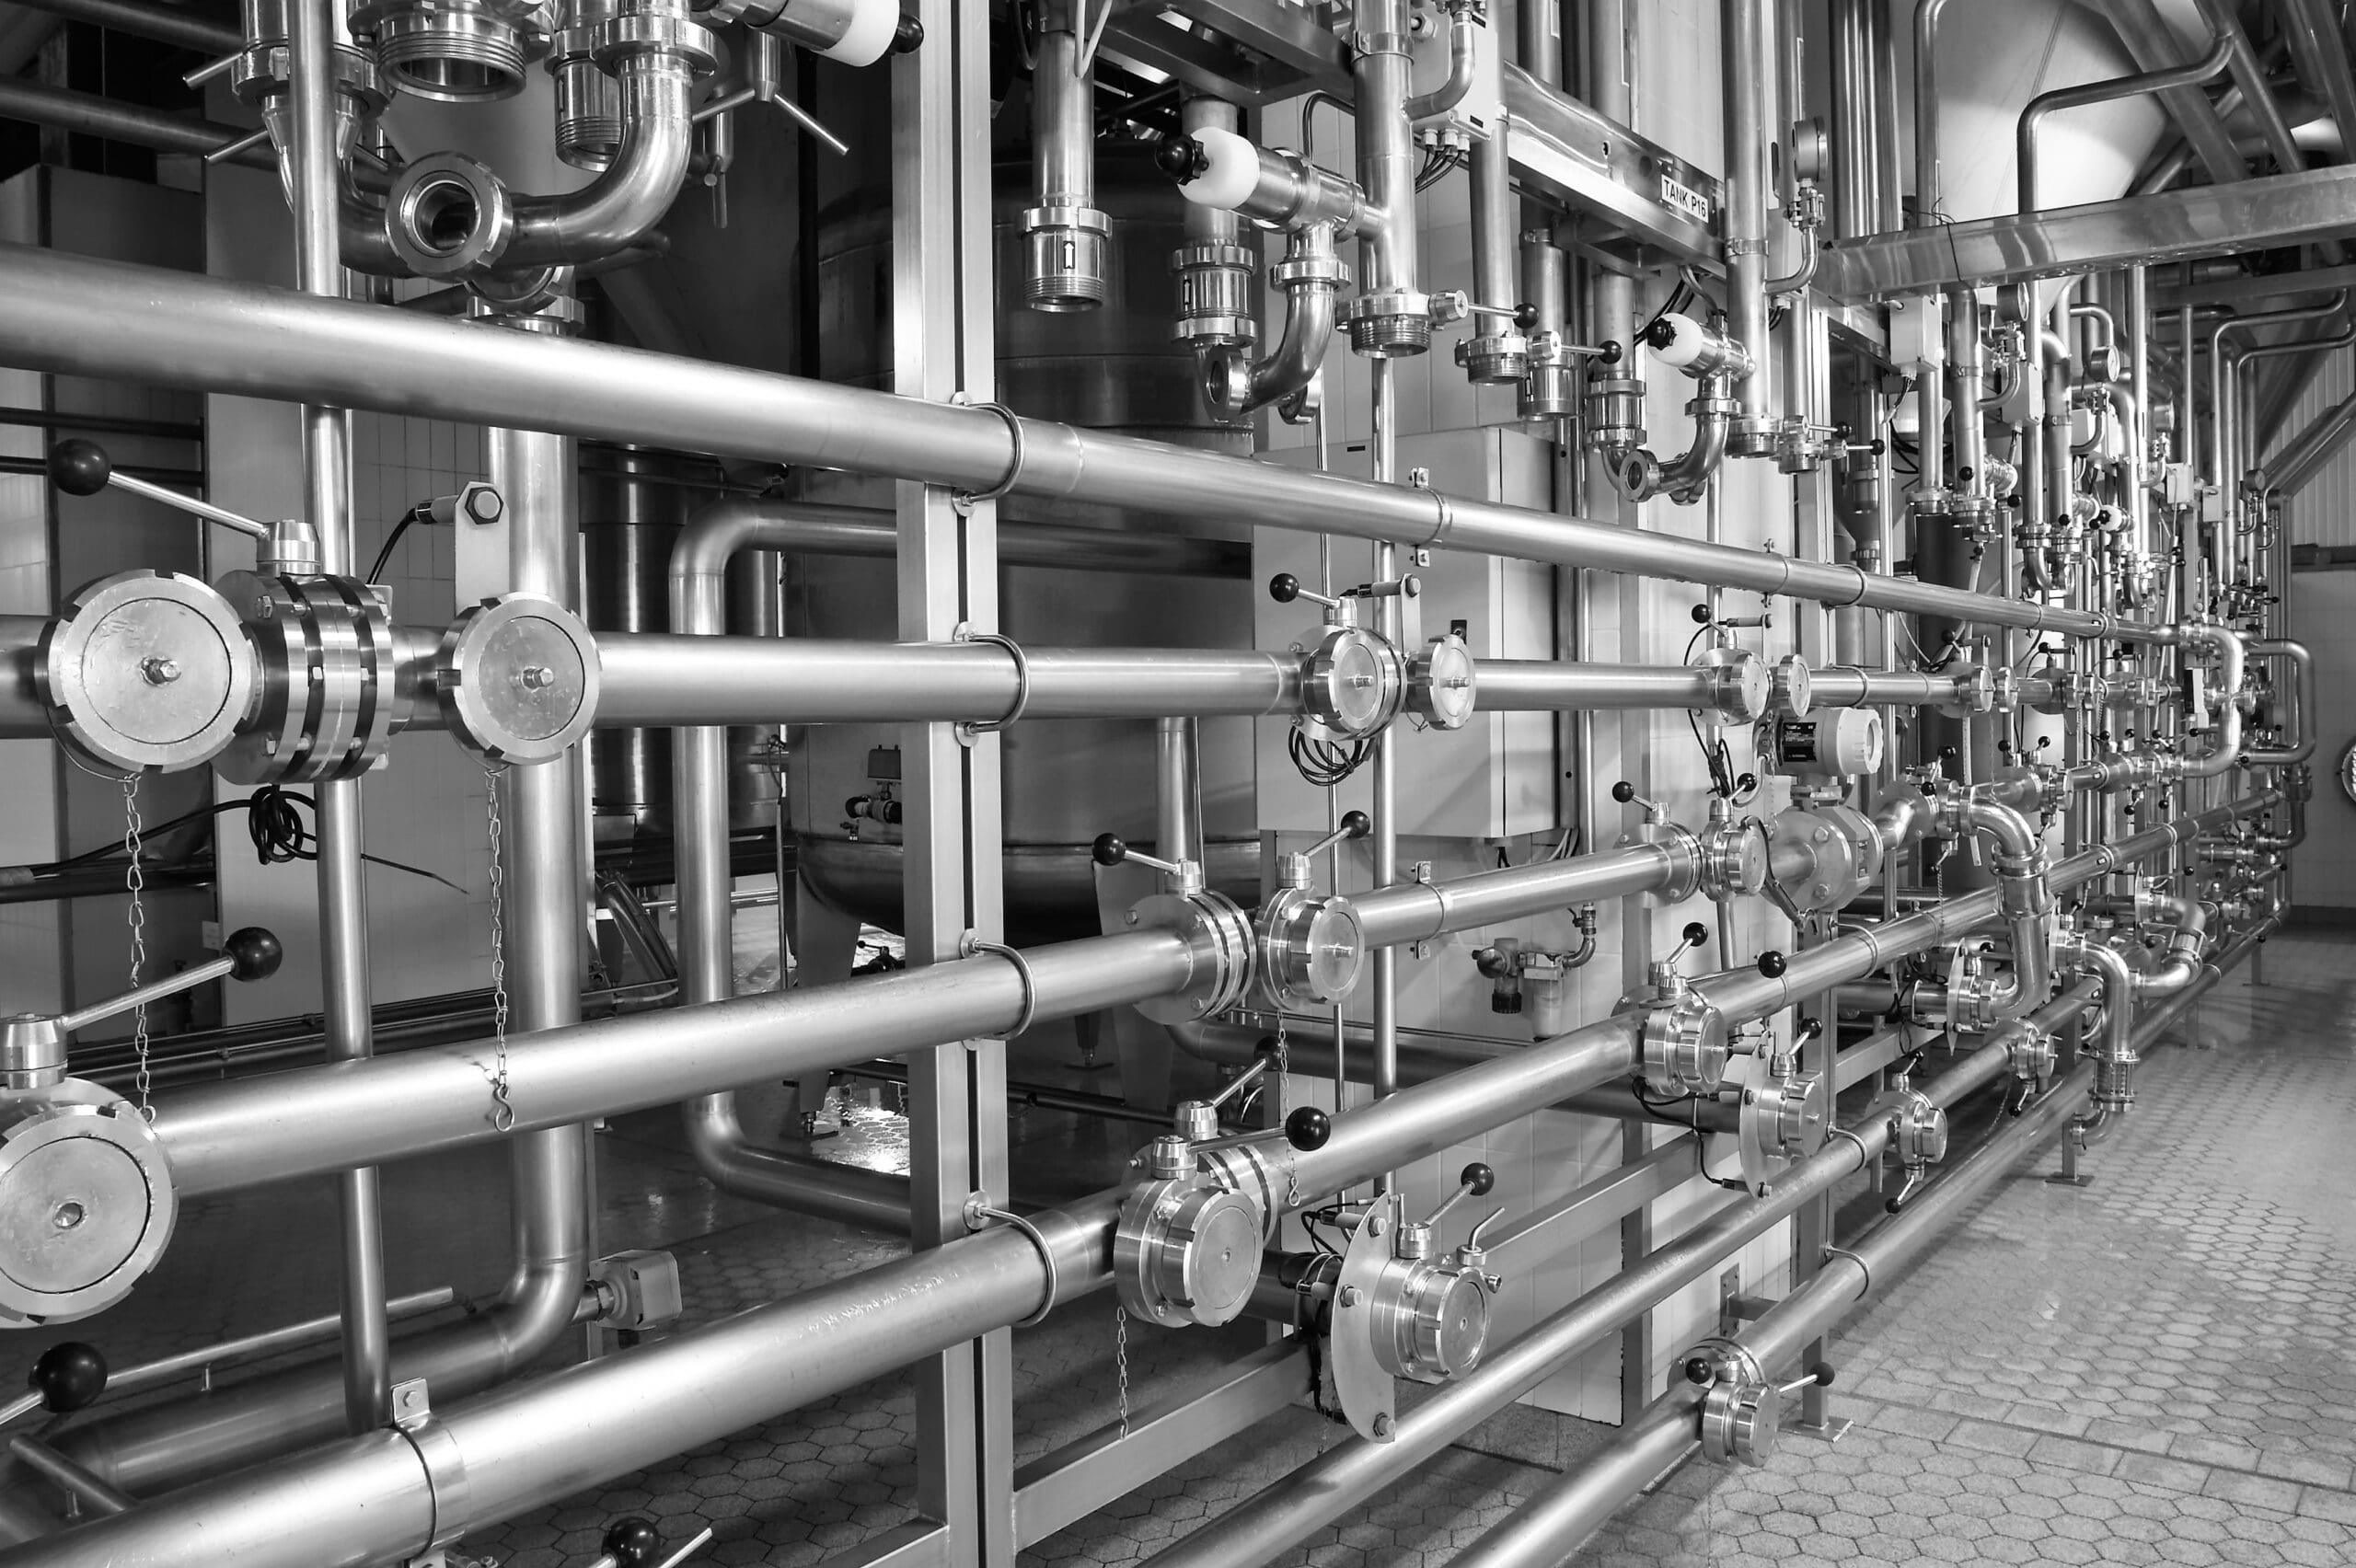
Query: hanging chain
{"type": "Point", "coordinates": [1121, 1360]}
{"type": "Point", "coordinates": [502, 1114]}
{"type": "Point", "coordinates": [1284, 1072]}
{"type": "Point", "coordinates": [135, 880]}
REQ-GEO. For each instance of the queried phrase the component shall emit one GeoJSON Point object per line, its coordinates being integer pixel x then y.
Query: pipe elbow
{"type": "Point", "coordinates": [1463, 54]}
{"type": "Point", "coordinates": [1312, 278]}
{"type": "Point", "coordinates": [630, 196]}
{"type": "Point", "coordinates": [699, 558]}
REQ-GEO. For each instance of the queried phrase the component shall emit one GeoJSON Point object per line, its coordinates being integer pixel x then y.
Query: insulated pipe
{"type": "Point", "coordinates": [228, 1135]}
{"type": "Point", "coordinates": [2302, 743]}
{"type": "Point", "coordinates": [83, 316]}
{"type": "Point", "coordinates": [1746, 65]}
{"type": "Point", "coordinates": [1282, 1516]}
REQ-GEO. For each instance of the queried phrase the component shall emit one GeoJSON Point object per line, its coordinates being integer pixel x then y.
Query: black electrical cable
{"type": "Point", "coordinates": [417, 513]}
{"type": "Point", "coordinates": [273, 825]}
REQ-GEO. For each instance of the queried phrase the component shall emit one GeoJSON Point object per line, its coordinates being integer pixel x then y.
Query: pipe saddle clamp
{"type": "Point", "coordinates": [517, 677]}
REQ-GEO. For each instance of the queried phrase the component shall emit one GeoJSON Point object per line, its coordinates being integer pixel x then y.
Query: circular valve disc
{"type": "Point", "coordinates": [86, 1207]}
{"type": "Point", "coordinates": [1443, 685]}
{"type": "Point", "coordinates": [518, 676]}
{"type": "Point", "coordinates": [147, 670]}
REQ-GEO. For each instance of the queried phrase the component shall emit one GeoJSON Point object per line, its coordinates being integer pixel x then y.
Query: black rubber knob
{"type": "Point", "coordinates": [1283, 587]}
{"type": "Point", "coordinates": [1181, 157]}
{"type": "Point", "coordinates": [254, 952]}
{"type": "Point", "coordinates": [78, 466]}
{"type": "Point", "coordinates": [1699, 1371]}
{"type": "Point", "coordinates": [1525, 318]}
{"type": "Point", "coordinates": [1963, 475]}
{"type": "Point", "coordinates": [1476, 1179]}
{"type": "Point", "coordinates": [1623, 791]}
{"type": "Point", "coordinates": [1894, 1206]}
{"type": "Point", "coordinates": [1701, 614]}
{"type": "Point", "coordinates": [1696, 933]}
{"type": "Point", "coordinates": [1810, 1028]}
{"type": "Point", "coordinates": [1611, 355]}
{"type": "Point", "coordinates": [907, 37]}
{"type": "Point", "coordinates": [1772, 964]}
{"type": "Point", "coordinates": [1357, 825]}
{"type": "Point", "coordinates": [70, 1376]}
{"type": "Point", "coordinates": [632, 1543]}
{"type": "Point", "coordinates": [1108, 849]}
{"type": "Point", "coordinates": [1308, 1129]}
{"type": "Point", "coordinates": [1660, 334]}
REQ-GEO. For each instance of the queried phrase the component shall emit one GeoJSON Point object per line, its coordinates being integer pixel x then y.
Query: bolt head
{"type": "Point", "coordinates": [1352, 1295]}
{"type": "Point", "coordinates": [1382, 1426]}
{"type": "Point", "coordinates": [160, 671]}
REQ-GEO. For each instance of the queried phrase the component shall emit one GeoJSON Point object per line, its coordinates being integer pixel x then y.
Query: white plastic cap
{"type": "Point", "coordinates": [872, 26]}
{"type": "Point", "coordinates": [1687, 341]}
{"type": "Point", "coordinates": [1231, 171]}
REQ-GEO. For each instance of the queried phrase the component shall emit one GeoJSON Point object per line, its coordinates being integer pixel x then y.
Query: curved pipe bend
{"type": "Point", "coordinates": [2027, 898]}
{"type": "Point", "coordinates": [630, 197]}
{"type": "Point", "coordinates": [2189, 917]}
{"type": "Point", "coordinates": [1638, 476]}
{"type": "Point", "coordinates": [1311, 277]}
{"type": "Point", "coordinates": [2302, 743]}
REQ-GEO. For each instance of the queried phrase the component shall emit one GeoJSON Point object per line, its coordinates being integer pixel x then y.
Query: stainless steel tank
{"type": "Point", "coordinates": [1066, 781]}
{"type": "Point", "coordinates": [633, 504]}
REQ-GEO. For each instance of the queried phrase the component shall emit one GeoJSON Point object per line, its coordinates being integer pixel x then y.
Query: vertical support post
{"type": "Point", "coordinates": [343, 906]}
{"type": "Point", "coordinates": [944, 345]}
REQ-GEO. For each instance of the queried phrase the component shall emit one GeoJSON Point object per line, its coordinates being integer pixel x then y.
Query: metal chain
{"type": "Point", "coordinates": [1284, 1072]}
{"type": "Point", "coordinates": [135, 881]}
{"type": "Point", "coordinates": [1121, 1360]}
{"type": "Point", "coordinates": [502, 1114]}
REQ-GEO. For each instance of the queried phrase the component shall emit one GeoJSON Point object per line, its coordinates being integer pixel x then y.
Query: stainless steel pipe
{"type": "Point", "coordinates": [1413, 912]}
{"type": "Point", "coordinates": [83, 316]}
{"type": "Point", "coordinates": [223, 1136]}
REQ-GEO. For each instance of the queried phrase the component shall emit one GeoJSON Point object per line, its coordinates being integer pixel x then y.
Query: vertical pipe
{"type": "Point", "coordinates": [1385, 811]}
{"type": "Point", "coordinates": [343, 910]}
{"type": "Point", "coordinates": [2138, 434]}
{"type": "Point", "coordinates": [1494, 228]}
{"type": "Point", "coordinates": [1540, 40]}
{"type": "Point", "coordinates": [1387, 159]}
{"type": "Point", "coordinates": [1746, 66]}
{"type": "Point", "coordinates": [1066, 238]}
{"type": "Point", "coordinates": [1855, 190]}
{"type": "Point", "coordinates": [1178, 793]}
{"type": "Point", "coordinates": [1887, 165]}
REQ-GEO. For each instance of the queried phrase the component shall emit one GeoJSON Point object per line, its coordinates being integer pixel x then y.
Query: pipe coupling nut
{"type": "Point", "coordinates": [665, 28]}
{"type": "Point", "coordinates": [1066, 258]}
{"type": "Point", "coordinates": [447, 216]}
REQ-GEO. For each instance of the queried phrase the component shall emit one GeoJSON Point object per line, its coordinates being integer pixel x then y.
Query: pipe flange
{"type": "Point", "coordinates": [1223, 939]}
{"type": "Point", "coordinates": [146, 669]}
{"type": "Point", "coordinates": [1740, 684]}
{"type": "Point", "coordinates": [1783, 1116]}
{"type": "Point", "coordinates": [1683, 847]}
{"type": "Point", "coordinates": [1494, 359]}
{"type": "Point", "coordinates": [1792, 689]}
{"type": "Point", "coordinates": [1443, 685]}
{"type": "Point", "coordinates": [1430, 1321]}
{"type": "Point", "coordinates": [1352, 682]}
{"type": "Point", "coordinates": [1309, 950]}
{"type": "Point", "coordinates": [1733, 860]}
{"type": "Point", "coordinates": [1918, 1130]}
{"type": "Point", "coordinates": [326, 691]}
{"type": "Point", "coordinates": [1394, 324]}
{"type": "Point", "coordinates": [91, 1194]}
{"type": "Point", "coordinates": [518, 678]}
{"type": "Point", "coordinates": [1187, 1251]}
{"type": "Point", "coordinates": [652, 26]}
{"type": "Point", "coordinates": [1975, 691]}
{"type": "Point", "coordinates": [1739, 1421]}
{"type": "Point", "coordinates": [447, 214]}
{"type": "Point", "coordinates": [1685, 1045]}
{"type": "Point", "coordinates": [2032, 1053]}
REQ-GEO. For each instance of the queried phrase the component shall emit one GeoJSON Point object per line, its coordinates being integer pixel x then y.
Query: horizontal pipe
{"type": "Point", "coordinates": [664, 679]}
{"type": "Point", "coordinates": [803, 528]}
{"type": "Point", "coordinates": [84, 315]}
{"type": "Point", "coordinates": [174, 25]}
{"type": "Point", "coordinates": [91, 115]}
{"type": "Point", "coordinates": [1506, 685]}
{"type": "Point", "coordinates": [1837, 685]}
{"type": "Point", "coordinates": [1413, 912]}
{"type": "Point", "coordinates": [225, 1136]}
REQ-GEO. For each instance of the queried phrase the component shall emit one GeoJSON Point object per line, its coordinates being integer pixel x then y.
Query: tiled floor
{"type": "Point", "coordinates": [2156, 1369]}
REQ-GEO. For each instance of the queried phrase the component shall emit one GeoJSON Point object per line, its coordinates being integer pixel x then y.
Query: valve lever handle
{"type": "Point", "coordinates": [1818, 1377]}
{"type": "Point", "coordinates": [1110, 849]}
{"type": "Point", "coordinates": [1284, 588]}
{"type": "Point", "coordinates": [81, 468]}
{"type": "Point", "coordinates": [1354, 825]}
{"type": "Point", "coordinates": [1243, 1079]}
{"type": "Point", "coordinates": [1473, 1182]}
{"type": "Point", "coordinates": [251, 953]}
